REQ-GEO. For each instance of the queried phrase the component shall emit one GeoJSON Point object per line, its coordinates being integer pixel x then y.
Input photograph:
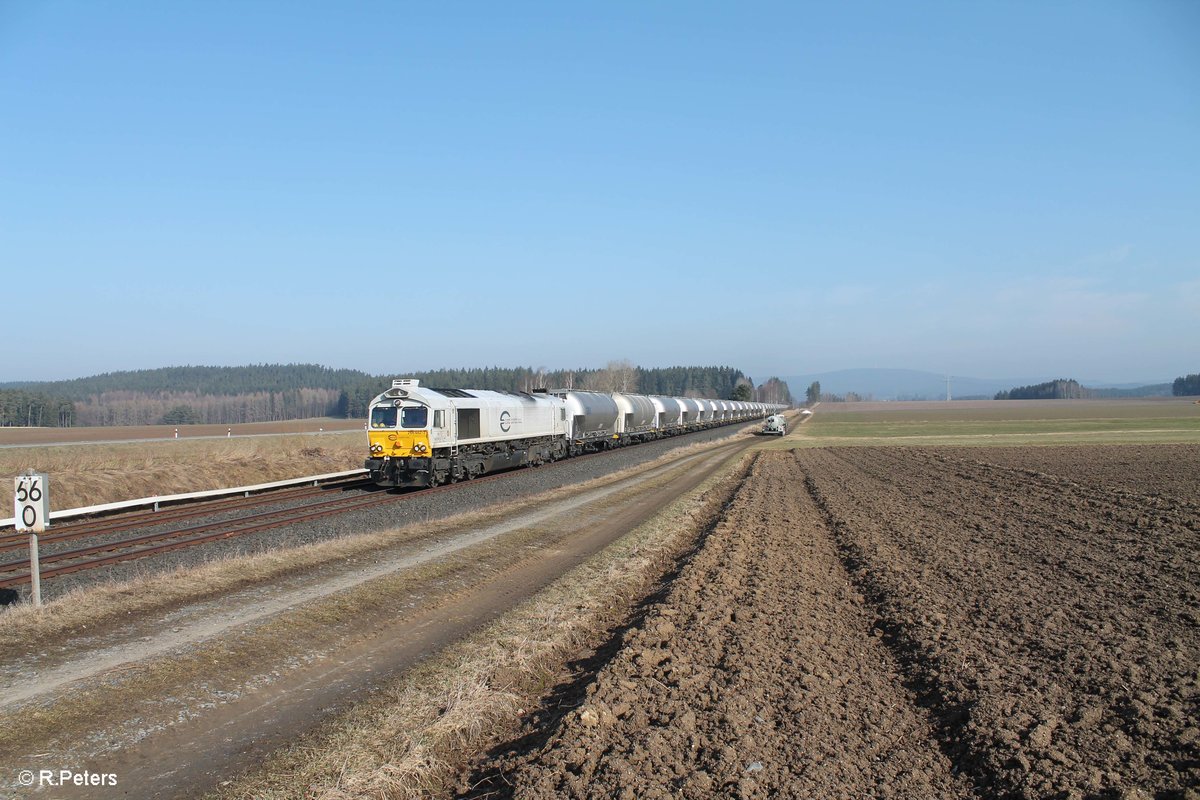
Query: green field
{"type": "Point", "coordinates": [1000, 422]}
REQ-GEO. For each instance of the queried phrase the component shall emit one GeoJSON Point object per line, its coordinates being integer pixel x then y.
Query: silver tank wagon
{"type": "Point", "coordinates": [690, 410]}
{"type": "Point", "coordinates": [591, 417]}
{"type": "Point", "coordinates": [667, 412]}
{"type": "Point", "coordinates": [636, 414]}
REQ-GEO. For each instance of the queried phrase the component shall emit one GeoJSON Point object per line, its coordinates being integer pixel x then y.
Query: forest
{"type": "Point", "coordinates": [1061, 389]}
{"type": "Point", "coordinates": [271, 392]}
{"type": "Point", "coordinates": [35, 409]}
{"type": "Point", "coordinates": [1186, 385]}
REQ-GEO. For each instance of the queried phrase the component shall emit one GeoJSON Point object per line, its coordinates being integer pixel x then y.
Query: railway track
{"type": "Point", "coordinates": [55, 562]}
{"type": "Point", "coordinates": [103, 554]}
{"type": "Point", "coordinates": [70, 531]}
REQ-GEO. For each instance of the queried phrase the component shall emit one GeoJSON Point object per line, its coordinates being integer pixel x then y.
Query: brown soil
{"type": "Point", "coordinates": [1161, 469]}
{"type": "Point", "coordinates": [903, 623]}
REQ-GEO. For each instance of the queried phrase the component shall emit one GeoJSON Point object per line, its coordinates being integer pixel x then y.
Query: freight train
{"type": "Point", "coordinates": [425, 437]}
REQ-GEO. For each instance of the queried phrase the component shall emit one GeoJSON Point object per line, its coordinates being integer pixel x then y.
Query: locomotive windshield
{"type": "Point", "coordinates": [383, 417]}
{"type": "Point", "coordinates": [414, 417]}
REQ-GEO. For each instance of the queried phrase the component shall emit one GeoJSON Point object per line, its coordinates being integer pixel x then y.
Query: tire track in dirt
{"type": "Point", "coordinates": [761, 674]}
{"type": "Point", "coordinates": [1053, 626]}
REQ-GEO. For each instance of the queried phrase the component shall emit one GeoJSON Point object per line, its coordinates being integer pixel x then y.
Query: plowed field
{"type": "Point", "coordinates": [885, 622]}
{"type": "Point", "coordinates": [1161, 469]}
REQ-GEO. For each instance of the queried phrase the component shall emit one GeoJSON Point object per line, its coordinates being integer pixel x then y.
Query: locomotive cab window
{"type": "Point", "coordinates": [439, 420]}
{"type": "Point", "coordinates": [414, 417]}
{"type": "Point", "coordinates": [383, 417]}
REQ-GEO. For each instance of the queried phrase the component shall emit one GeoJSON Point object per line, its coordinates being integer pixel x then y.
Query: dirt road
{"type": "Point", "coordinates": [902, 623]}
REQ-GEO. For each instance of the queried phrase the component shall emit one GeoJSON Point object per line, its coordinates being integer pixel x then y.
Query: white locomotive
{"type": "Point", "coordinates": [424, 437]}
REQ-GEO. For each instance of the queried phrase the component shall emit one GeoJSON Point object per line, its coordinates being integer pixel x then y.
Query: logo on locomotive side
{"type": "Point", "coordinates": [505, 422]}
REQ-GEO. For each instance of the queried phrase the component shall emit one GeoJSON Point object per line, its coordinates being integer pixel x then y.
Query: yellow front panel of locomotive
{"type": "Point", "coordinates": [399, 444]}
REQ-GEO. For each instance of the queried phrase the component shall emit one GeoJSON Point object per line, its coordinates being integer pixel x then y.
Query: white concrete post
{"type": "Point", "coordinates": [35, 571]}
{"type": "Point", "coordinates": [31, 504]}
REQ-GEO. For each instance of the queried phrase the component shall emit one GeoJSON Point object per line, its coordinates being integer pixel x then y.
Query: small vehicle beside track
{"type": "Point", "coordinates": [775, 425]}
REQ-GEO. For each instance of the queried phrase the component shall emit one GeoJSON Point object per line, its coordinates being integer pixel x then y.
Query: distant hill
{"type": "Point", "coordinates": [1065, 389]}
{"type": "Point", "coordinates": [908, 384]}
{"type": "Point", "coordinates": [268, 392]}
{"type": "Point", "coordinates": [201, 380]}
{"type": "Point", "coordinates": [902, 384]}
{"type": "Point", "coordinates": [1148, 390]}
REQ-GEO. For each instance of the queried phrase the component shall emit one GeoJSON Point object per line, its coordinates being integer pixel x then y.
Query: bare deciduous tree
{"type": "Point", "coordinates": [616, 376]}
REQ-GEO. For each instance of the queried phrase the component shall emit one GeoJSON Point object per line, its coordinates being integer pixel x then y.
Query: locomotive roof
{"type": "Point", "coordinates": [477, 393]}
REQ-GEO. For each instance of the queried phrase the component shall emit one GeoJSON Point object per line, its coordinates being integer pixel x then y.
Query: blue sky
{"type": "Point", "coordinates": [986, 188]}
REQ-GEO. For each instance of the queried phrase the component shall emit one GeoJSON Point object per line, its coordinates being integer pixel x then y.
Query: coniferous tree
{"type": "Point", "coordinates": [1186, 385]}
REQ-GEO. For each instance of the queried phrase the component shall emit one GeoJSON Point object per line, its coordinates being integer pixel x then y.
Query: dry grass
{"type": "Point", "coordinates": [25, 627]}
{"type": "Point", "coordinates": [106, 473]}
{"type": "Point", "coordinates": [411, 739]}
{"type": "Point", "coordinates": [161, 688]}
